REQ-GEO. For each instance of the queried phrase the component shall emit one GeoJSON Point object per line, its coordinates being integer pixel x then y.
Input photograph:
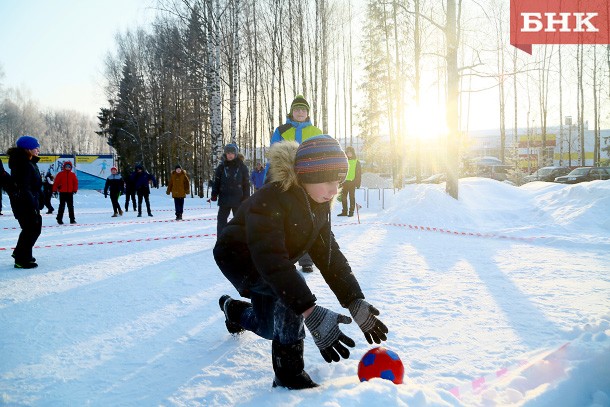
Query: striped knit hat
{"type": "Point", "coordinates": [320, 159]}
{"type": "Point", "coordinates": [299, 102]}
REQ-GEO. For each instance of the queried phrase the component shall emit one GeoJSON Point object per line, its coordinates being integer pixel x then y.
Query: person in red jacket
{"type": "Point", "coordinates": [66, 184]}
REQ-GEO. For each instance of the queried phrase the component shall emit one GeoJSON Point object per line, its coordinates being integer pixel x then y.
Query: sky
{"type": "Point", "coordinates": [56, 49]}
{"type": "Point", "coordinates": [500, 298]}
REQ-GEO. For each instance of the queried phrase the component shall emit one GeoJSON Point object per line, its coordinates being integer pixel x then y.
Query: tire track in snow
{"type": "Point", "coordinates": [29, 288]}
{"type": "Point", "coordinates": [74, 361]}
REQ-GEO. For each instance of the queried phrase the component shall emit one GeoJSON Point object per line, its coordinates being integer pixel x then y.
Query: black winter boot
{"type": "Point", "coordinates": [343, 213]}
{"type": "Point", "coordinates": [288, 366]}
{"type": "Point", "coordinates": [233, 310]}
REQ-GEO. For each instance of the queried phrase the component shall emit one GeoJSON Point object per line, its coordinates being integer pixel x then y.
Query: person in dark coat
{"type": "Point", "coordinates": [130, 190]}
{"type": "Point", "coordinates": [231, 185]}
{"type": "Point", "coordinates": [66, 184]}
{"type": "Point", "coordinates": [115, 186]}
{"type": "Point", "coordinates": [142, 180]}
{"type": "Point", "coordinates": [47, 189]}
{"type": "Point", "coordinates": [26, 199]}
{"type": "Point", "coordinates": [257, 252]}
{"type": "Point", "coordinates": [4, 177]}
{"type": "Point", "coordinates": [352, 182]}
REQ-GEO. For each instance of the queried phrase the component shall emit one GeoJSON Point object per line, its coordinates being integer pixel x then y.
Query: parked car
{"type": "Point", "coordinates": [435, 179]}
{"type": "Point", "coordinates": [547, 174]}
{"type": "Point", "coordinates": [583, 174]}
{"type": "Point", "coordinates": [497, 171]}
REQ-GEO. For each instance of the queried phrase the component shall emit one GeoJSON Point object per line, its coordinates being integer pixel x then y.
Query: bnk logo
{"type": "Point", "coordinates": [558, 22]}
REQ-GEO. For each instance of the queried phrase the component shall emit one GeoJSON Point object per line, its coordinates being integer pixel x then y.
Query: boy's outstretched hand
{"type": "Point", "coordinates": [324, 327]}
{"type": "Point", "coordinates": [365, 316]}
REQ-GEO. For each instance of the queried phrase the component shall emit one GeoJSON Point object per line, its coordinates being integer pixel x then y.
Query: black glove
{"type": "Point", "coordinates": [365, 316]}
{"type": "Point", "coordinates": [324, 327]}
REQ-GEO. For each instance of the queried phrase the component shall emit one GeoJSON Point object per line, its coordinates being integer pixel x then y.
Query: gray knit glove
{"type": "Point", "coordinates": [365, 316]}
{"type": "Point", "coordinates": [324, 327]}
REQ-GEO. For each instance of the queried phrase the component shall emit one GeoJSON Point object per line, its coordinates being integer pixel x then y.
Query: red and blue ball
{"type": "Point", "coordinates": [383, 363]}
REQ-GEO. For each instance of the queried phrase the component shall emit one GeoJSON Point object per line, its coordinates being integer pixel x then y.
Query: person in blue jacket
{"type": "Point", "coordinates": [257, 177]}
{"type": "Point", "coordinates": [231, 185]}
{"type": "Point", "coordinates": [142, 180]}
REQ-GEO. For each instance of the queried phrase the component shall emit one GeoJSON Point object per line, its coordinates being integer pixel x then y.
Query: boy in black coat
{"type": "Point", "coordinates": [231, 185]}
{"type": "Point", "coordinates": [257, 251]}
{"type": "Point", "coordinates": [116, 186]}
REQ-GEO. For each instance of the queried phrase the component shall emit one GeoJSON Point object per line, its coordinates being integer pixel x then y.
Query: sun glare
{"type": "Point", "coordinates": [427, 122]}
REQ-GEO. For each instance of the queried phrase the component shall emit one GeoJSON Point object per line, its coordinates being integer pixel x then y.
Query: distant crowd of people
{"type": "Point", "coordinates": [286, 220]}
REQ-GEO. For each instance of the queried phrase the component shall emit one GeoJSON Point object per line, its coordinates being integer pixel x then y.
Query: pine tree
{"type": "Point", "coordinates": [373, 109]}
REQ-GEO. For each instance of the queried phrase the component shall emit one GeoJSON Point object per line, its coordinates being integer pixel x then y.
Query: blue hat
{"type": "Point", "coordinates": [27, 142]}
{"type": "Point", "coordinates": [320, 159]}
{"type": "Point", "coordinates": [231, 148]}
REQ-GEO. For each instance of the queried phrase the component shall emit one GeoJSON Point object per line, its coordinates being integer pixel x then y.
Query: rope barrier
{"type": "Point", "coordinates": [135, 222]}
{"type": "Point", "coordinates": [148, 239]}
{"type": "Point", "coordinates": [446, 231]}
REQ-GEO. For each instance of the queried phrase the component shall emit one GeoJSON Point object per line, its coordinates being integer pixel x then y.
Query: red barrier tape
{"type": "Point", "coordinates": [148, 239]}
{"type": "Point", "coordinates": [447, 231]}
{"type": "Point", "coordinates": [118, 223]}
{"type": "Point", "coordinates": [156, 210]}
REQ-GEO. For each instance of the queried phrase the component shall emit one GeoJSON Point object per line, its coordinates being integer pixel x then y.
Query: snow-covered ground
{"type": "Point", "coordinates": [506, 280]}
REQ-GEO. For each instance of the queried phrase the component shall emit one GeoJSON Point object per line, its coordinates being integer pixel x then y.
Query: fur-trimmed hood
{"type": "Point", "coordinates": [281, 164]}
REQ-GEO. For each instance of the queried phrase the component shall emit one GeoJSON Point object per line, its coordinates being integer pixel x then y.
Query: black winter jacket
{"type": "Point", "coordinates": [27, 199]}
{"type": "Point", "coordinates": [114, 184]}
{"type": "Point", "coordinates": [231, 183]}
{"type": "Point", "coordinates": [270, 232]}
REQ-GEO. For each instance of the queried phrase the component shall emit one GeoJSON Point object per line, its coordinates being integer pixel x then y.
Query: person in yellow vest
{"type": "Point", "coordinates": [298, 125]}
{"type": "Point", "coordinates": [297, 128]}
{"type": "Point", "coordinates": [352, 182]}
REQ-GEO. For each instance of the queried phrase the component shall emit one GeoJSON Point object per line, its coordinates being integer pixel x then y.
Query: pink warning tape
{"type": "Point", "coordinates": [482, 382]}
{"type": "Point", "coordinates": [460, 233]}
{"type": "Point", "coordinates": [134, 222]}
{"type": "Point", "coordinates": [148, 239]}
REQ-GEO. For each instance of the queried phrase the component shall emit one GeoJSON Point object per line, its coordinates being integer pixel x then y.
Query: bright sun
{"type": "Point", "coordinates": [427, 122]}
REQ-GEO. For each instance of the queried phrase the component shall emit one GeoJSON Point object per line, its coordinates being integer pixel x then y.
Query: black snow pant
{"type": "Point", "coordinates": [114, 198]}
{"type": "Point", "coordinates": [348, 188]}
{"type": "Point", "coordinates": [223, 216]}
{"type": "Point", "coordinates": [132, 195]}
{"type": "Point", "coordinates": [143, 194]}
{"type": "Point", "coordinates": [31, 226]}
{"type": "Point", "coordinates": [179, 206]}
{"type": "Point", "coordinates": [48, 193]}
{"type": "Point", "coordinates": [66, 198]}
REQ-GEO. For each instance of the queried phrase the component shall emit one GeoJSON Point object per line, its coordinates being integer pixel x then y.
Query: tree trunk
{"type": "Point", "coordinates": [451, 35]}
